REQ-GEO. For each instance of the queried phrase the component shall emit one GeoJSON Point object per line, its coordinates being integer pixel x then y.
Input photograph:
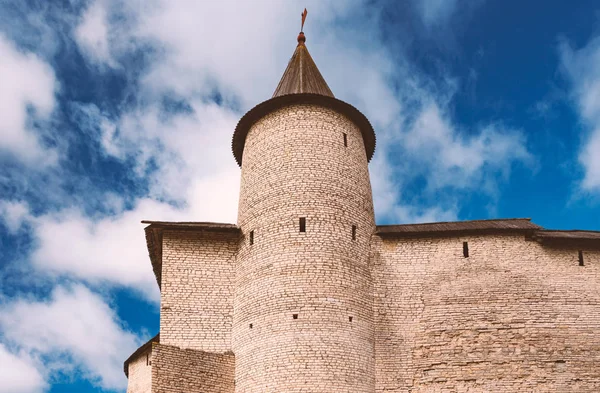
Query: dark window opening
{"type": "Point", "coordinates": [147, 360]}
{"type": "Point", "coordinates": [350, 319]}
{"type": "Point", "coordinates": [353, 232]}
{"type": "Point", "coordinates": [295, 316]}
{"type": "Point", "coordinates": [345, 140]}
{"type": "Point", "coordinates": [251, 237]}
{"type": "Point", "coordinates": [250, 326]}
{"type": "Point", "coordinates": [465, 249]}
{"type": "Point", "coordinates": [302, 224]}
{"type": "Point", "coordinates": [580, 258]}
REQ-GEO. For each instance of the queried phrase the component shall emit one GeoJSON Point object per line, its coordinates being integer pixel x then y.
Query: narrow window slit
{"type": "Point", "coordinates": [302, 224]}
{"type": "Point", "coordinates": [465, 249]}
{"type": "Point", "coordinates": [295, 316]}
{"type": "Point", "coordinates": [580, 258]}
{"type": "Point", "coordinates": [353, 232]}
{"type": "Point", "coordinates": [350, 319]}
{"type": "Point", "coordinates": [251, 237]}
{"type": "Point", "coordinates": [147, 360]}
{"type": "Point", "coordinates": [345, 140]}
{"type": "Point", "coordinates": [250, 326]}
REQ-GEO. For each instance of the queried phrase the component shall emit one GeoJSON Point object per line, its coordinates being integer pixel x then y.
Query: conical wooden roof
{"type": "Point", "coordinates": [301, 83]}
{"type": "Point", "coordinates": [302, 74]}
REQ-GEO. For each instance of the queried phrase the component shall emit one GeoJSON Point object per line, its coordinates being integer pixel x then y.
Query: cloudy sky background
{"type": "Point", "coordinates": [115, 111]}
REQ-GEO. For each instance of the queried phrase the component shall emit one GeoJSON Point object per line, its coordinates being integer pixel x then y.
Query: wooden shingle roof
{"type": "Point", "coordinates": [302, 74]}
{"type": "Point", "coordinates": [301, 83]}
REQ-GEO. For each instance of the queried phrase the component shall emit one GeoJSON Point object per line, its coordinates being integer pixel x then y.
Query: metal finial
{"type": "Point", "coordinates": [303, 19]}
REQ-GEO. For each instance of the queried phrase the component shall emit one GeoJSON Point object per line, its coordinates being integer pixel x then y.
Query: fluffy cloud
{"type": "Point", "coordinates": [111, 249]}
{"type": "Point", "coordinates": [74, 330]}
{"type": "Point", "coordinates": [19, 373]}
{"type": "Point", "coordinates": [581, 67]}
{"type": "Point", "coordinates": [14, 214]}
{"type": "Point", "coordinates": [453, 159]}
{"type": "Point", "coordinates": [92, 34]}
{"type": "Point", "coordinates": [27, 92]}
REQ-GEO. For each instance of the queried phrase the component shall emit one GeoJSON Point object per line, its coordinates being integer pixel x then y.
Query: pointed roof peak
{"type": "Point", "coordinates": [302, 75]}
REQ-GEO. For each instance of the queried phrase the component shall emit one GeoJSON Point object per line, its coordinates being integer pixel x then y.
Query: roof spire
{"type": "Point", "coordinates": [302, 75]}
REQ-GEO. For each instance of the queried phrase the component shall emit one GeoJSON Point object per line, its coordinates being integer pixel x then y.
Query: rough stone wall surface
{"type": "Point", "coordinates": [512, 317]}
{"type": "Point", "coordinates": [178, 370]}
{"type": "Point", "coordinates": [295, 164]}
{"type": "Point", "coordinates": [140, 373]}
{"type": "Point", "coordinates": [198, 275]}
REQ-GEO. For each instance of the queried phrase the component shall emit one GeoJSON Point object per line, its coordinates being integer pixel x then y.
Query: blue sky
{"type": "Point", "coordinates": [115, 111]}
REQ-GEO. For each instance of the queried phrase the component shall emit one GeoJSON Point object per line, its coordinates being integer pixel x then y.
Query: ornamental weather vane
{"type": "Point", "coordinates": [303, 19]}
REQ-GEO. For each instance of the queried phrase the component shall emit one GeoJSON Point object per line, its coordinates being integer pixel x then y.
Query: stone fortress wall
{"type": "Point", "coordinates": [303, 299]}
{"type": "Point", "coordinates": [196, 303]}
{"type": "Point", "coordinates": [513, 316]}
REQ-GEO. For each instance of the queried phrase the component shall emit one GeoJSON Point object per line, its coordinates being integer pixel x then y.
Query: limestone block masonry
{"type": "Point", "coordinates": [140, 373]}
{"type": "Point", "coordinates": [178, 370]}
{"type": "Point", "coordinates": [196, 305]}
{"type": "Point", "coordinates": [512, 317]}
{"type": "Point", "coordinates": [303, 309]}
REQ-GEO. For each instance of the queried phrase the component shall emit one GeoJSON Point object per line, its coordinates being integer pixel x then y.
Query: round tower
{"type": "Point", "coordinates": [303, 309]}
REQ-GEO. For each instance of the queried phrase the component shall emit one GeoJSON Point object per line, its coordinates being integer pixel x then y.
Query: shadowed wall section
{"type": "Point", "coordinates": [513, 316]}
{"type": "Point", "coordinates": [176, 370]}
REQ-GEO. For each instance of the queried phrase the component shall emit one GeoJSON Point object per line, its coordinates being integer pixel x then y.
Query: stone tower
{"type": "Point", "coordinates": [303, 304]}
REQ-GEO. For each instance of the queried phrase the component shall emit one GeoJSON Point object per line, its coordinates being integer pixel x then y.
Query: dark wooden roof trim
{"type": "Point", "coordinates": [572, 234]}
{"type": "Point", "coordinates": [588, 240]}
{"type": "Point", "coordinates": [266, 107]}
{"type": "Point", "coordinates": [138, 352]}
{"type": "Point", "coordinates": [455, 228]}
{"type": "Point", "coordinates": [154, 244]}
{"type": "Point", "coordinates": [583, 240]}
{"type": "Point", "coordinates": [206, 226]}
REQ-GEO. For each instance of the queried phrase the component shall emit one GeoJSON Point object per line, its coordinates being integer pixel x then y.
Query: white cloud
{"type": "Point", "coordinates": [28, 83]}
{"type": "Point", "coordinates": [190, 150]}
{"type": "Point", "coordinates": [581, 67]}
{"type": "Point", "coordinates": [19, 374]}
{"type": "Point", "coordinates": [590, 158]}
{"type": "Point", "coordinates": [112, 249]}
{"type": "Point", "coordinates": [75, 329]}
{"type": "Point", "coordinates": [14, 214]}
{"type": "Point", "coordinates": [452, 159]}
{"type": "Point", "coordinates": [241, 62]}
{"type": "Point", "coordinates": [92, 34]}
